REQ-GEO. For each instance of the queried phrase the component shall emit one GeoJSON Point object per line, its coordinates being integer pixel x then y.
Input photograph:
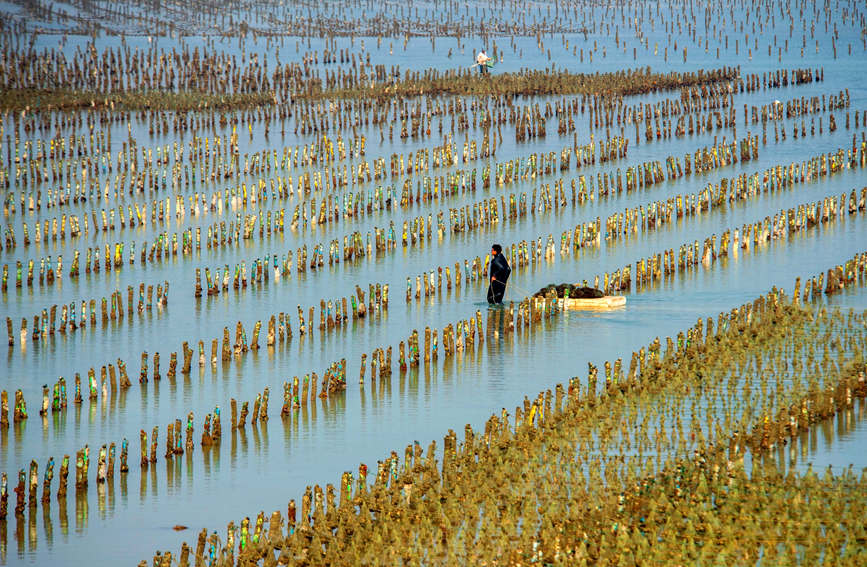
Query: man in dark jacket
{"type": "Point", "coordinates": [499, 271]}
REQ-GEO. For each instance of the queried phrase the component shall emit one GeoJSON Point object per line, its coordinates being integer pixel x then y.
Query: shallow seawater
{"type": "Point", "coordinates": [263, 466]}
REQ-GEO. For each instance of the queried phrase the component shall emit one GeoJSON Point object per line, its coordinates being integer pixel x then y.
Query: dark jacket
{"type": "Point", "coordinates": [499, 268]}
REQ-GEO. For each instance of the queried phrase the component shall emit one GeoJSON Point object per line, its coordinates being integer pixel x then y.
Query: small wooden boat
{"type": "Point", "coordinates": [606, 302]}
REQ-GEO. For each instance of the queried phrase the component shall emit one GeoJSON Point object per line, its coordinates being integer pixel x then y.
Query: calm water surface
{"type": "Point", "coordinates": [266, 465]}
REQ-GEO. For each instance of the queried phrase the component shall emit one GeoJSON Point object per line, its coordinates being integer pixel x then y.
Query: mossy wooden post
{"type": "Point", "coordinates": [173, 364]}
{"type": "Point", "coordinates": [157, 375]}
{"type": "Point", "coordinates": [200, 548]}
{"type": "Point", "coordinates": [256, 404]}
{"type": "Point", "coordinates": [189, 433]}
{"type": "Point", "coordinates": [154, 443]}
{"type": "Point", "coordinates": [33, 484]}
{"type": "Point", "coordinates": [217, 430]}
{"type": "Point", "coordinates": [263, 409]}
{"type": "Point", "coordinates": [20, 493]}
{"type": "Point", "coordinates": [46, 483]}
{"type": "Point", "coordinates": [291, 517]}
{"type": "Point", "coordinates": [242, 417]}
{"type": "Point", "coordinates": [82, 464]}
{"type": "Point", "coordinates": [207, 439]}
{"type": "Point", "coordinates": [63, 478]}
{"type": "Point", "coordinates": [227, 349]}
{"type": "Point", "coordinates": [4, 410]}
{"type": "Point", "coordinates": [109, 471]}
{"type": "Point", "coordinates": [143, 374]}
{"type": "Point", "coordinates": [271, 331]}
{"type": "Point", "coordinates": [170, 440]}
{"type": "Point", "coordinates": [254, 344]}
{"type": "Point", "coordinates": [239, 333]}
{"type": "Point", "coordinates": [20, 407]}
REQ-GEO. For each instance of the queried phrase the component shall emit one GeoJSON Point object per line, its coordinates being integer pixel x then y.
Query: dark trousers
{"type": "Point", "coordinates": [496, 291]}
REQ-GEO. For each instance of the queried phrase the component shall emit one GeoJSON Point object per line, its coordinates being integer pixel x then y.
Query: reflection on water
{"type": "Point", "coordinates": [831, 443]}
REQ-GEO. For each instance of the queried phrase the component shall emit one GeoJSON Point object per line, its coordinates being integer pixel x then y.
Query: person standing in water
{"type": "Point", "coordinates": [499, 270]}
{"type": "Point", "coordinates": [482, 61]}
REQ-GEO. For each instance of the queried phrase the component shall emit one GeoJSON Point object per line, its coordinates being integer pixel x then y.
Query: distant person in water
{"type": "Point", "coordinates": [499, 271]}
{"type": "Point", "coordinates": [482, 61]}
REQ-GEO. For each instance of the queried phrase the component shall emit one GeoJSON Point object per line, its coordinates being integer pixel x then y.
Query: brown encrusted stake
{"type": "Point", "coordinates": [188, 358]}
{"type": "Point", "coordinates": [242, 418]}
{"type": "Point", "coordinates": [170, 438]}
{"type": "Point", "coordinates": [143, 374]}
{"type": "Point", "coordinates": [4, 409]}
{"type": "Point", "coordinates": [173, 365]}
{"type": "Point", "coordinates": [218, 428]}
{"type": "Point", "coordinates": [124, 378]}
{"type": "Point", "coordinates": [20, 408]}
{"type": "Point", "coordinates": [154, 443]}
{"type": "Point", "coordinates": [227, 350]}
{"type": "Point", "coordinates": [200, 548]}
{"type": "Point", "coordinates": [20, 492]}
{"type": "Point", "coordinates": [110, 469]}
{"type": "Point", "coordinates": [33, 482]}
{"type": "Point", "coordinates": [254, 344]}
{"type": "Point", "coordinates": [263, 410]}
{"type": "Point", "coordinates": [63, 479]}
{"type": "Point", "coordinates": [156, 367]}
{"type": "Point", "coordinates": [207, 440]}
{"type": "Point", "coordinates": [189, 433]}
{"type": "Point", "coordinates": [143, 437]}
{"type": "Point", "coordinates": [178, 441]}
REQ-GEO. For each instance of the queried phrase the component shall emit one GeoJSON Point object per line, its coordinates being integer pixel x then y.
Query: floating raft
{"type": "Point", "coordinates": [606, 302]}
